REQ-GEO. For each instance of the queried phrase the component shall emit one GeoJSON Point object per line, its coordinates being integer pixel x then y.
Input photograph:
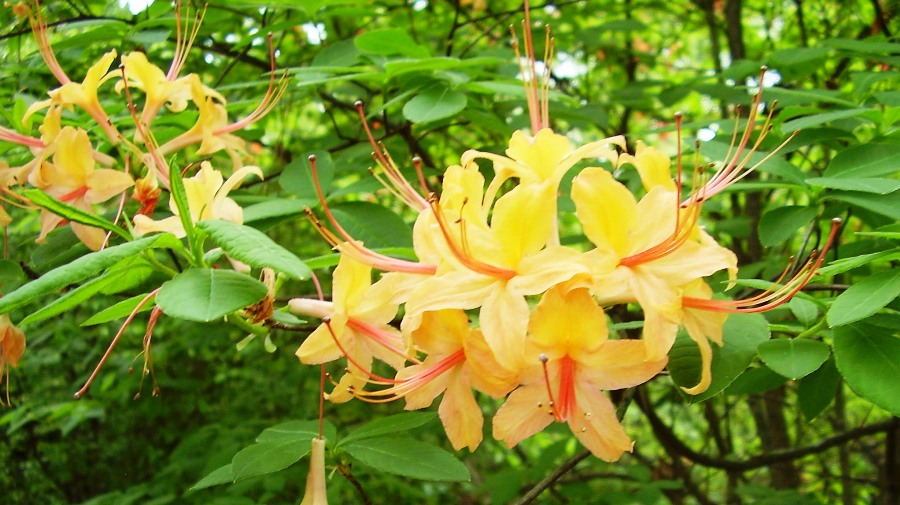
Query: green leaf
{"type": "Point", "coordinates": [794, 358]}
{"type": "Point", "coordinates": [817, 390]}
{"type": "Point", "coordinates": [179, 196]}
{"type": "Point", "coordinates": [373, 224]}
{"type": "Point", "coordinates": [805, 311]}
{"type": "Point", "coordinates": [268, 457]}
{"type": "Point", "coordinates": [222, 475]}
{"type": "Point", "coordinates": [80, 269]}
{"type": "Point", "coordinates": [754, 381]}
{"type": "Point", "coordinates": [203, 295]}
{"type": "Point", "coordinates": [297, 430]}
{"type": "Point", "coordinates": [75, 297]}
{"type": "Point", "coordinates": [11, 275]}
{"type": "Point", "coordinates": [818, 119]}
{"type": "Point", "coordinates": [297, 178]}
{"type": "Point", "coordinates": [781, 223]}
{"type": "Point", "coordinates": [875, 185]}
{"type": "Point", "coordinates": [253, 247]}
{"type": "Point", "coordinates": [73, 214]}
{"type": "Point", "coordinates": [390, 424]}
{"type": "Point", "coordinates": [886, 205]}
{"type": "Point", "coordinates": [844, 264]}
{"type": "Point", "coordinates": [120, 310]}
{"type": "Point", "coordinates": [271, 211]}
{"type": "Point", "coordinates": [434, 103]}
{"type": "Point", "coordinates": [389, 41]}
{"type": "Point", "coordinates": [865, 298]}
{"type": "Point", "coordinates": [742, 334]}
{"type": "Point", "coordinates": [407, 457]}
{"type": "Point", "coordinates": [869, 360]}
{"type": "Point", "coordinates": [864, 161]}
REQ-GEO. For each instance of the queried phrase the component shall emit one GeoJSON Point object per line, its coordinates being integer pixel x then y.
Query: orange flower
{"type": "Point", "coordinates": [12, 346]}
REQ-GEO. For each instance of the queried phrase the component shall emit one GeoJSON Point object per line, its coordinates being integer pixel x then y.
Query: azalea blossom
{"type": "Point", "coordinates": [12, 346]}
{"type": "Point", "coordinates": [71, 177]}
{"type": "Point", "coordinates": [458, 360]}
{"type": "Point", "coordinates": [355, 326]}
{"type": "Point", "coordinates": [574, 363]}
{"type": "Point", "coordinates": [207, 196]}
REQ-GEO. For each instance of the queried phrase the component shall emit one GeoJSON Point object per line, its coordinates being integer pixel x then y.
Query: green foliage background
{"type": "Point", "coordinates": [806, 417]}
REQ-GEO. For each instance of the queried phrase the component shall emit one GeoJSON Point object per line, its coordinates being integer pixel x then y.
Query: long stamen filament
{"type": "Point", "coordinates": [462, 252]}
{"type": "Point", "coordinates": [351, 246]}
{"type": "Point", "coordinates": [412, 384]}
{"type": "Point", "coordinates": [771, 298]}
{"type": "Point", "coordinates": [401, 187]}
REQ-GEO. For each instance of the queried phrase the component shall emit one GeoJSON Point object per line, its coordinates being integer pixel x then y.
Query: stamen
{"type": "Point", "coordinates": [183, 45]}
{"type": "Point", "coordinates": [770, 298]}
{"type": "Point", "coordinates": [401, 186]}
{"type": "Point", "coordinates": [461, 252]}
{"type": "Point", "coordinates": [734, 167]}
{"type": "Point", "coordinates": [412, 384]}
{"type": "Point", "coordinates": [553, 410]}
{"type": "Point", "coordinates": [271, 98]}
{"type": "Point", "coordinates": [351, 246]}
{"type": "Point", "coordinates": [80, 393]}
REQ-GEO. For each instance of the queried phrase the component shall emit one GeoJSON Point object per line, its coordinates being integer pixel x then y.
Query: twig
{"type": "Point", "coordinates": [553, 477]}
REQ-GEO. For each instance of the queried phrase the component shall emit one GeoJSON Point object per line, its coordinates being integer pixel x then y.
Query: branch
{"type": "Point", "coordinates": [671, 442]}
{"type": "Point", "coordinates": [553, 477]}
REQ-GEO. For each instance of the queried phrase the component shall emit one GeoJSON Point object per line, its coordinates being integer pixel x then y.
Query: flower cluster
{"type": "Point", "coordinates": [497, 304]}
{"type": "Point", "coordinates": [81, 165]}
{"type": "Point", "coordinates": [66, 163]}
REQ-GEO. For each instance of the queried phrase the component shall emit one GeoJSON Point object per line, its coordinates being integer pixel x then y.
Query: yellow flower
{"type": "Point", "coordinates": [574, 364]}
{"type": "Point", "coordinates": [495, 267]}
{"type": "Point", "coordinates": [315, 493]}
{"type": "Point", "coordinates": [645, 251]}
{"type": "Point", "coordinates": [159, 90]}
{"type": "Point", "coordinates": [355, 326]}
{"type": "Point", "coordinates": [71, 177]}
{"type": "Point", "coordinates": [458, 359]}
{"type": "Point", "coordinates": [207, 195]}
{"type": "Point", "coordinates": [84, 95]}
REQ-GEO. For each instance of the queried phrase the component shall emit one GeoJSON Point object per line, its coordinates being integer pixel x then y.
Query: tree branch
{"type": "Point", "coordinates": [668, 439]}
{"type": "Point", "coordinates": [541, 486]}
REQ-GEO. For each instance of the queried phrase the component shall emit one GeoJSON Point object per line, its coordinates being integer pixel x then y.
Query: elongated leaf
{"type": "Point", "coordinates": [755, 380]}
{"type": "Point", "coordinates": [877, 185]}
{"type": "Point", "coordinates": [297, 430]}
{"type": "Point", "coordinates": [74, 297]}
{"type": "Point", "coordinates": [297, 178]}
{"type": "Point", "coordinates": [179, 196]}
{"type": "Point", "coordinates": [433, 104]}
{"type": "Point", "coordinates": [818, 119]}
{"type": "Point", "coordinates": [844, 264]}
{"type": "Point", "coordinates": [805, 311]}
{"type": "Point", "coordinates": [373, 224]}
{"type": "Point", "coordinates": [268, 457]}
{"type": "Point", "coordinates": [73, 214]}
{"type": "Point", "coordinates": [80, 269]}
{"type": "Point", "coordinates": [886, 205]}
{"type": "Point", "coordinates": [253, 247]}
{"type": "Point", "coordinates": [389, 41]}
{"type": "Point", "coordinates": [864, 161]}
{"type": "Point", "coordinates": [203, 295]}
{"type": "Point", "coordinates": [119, 310]}
{"type": "Point", "coordinates": [390, 424]}
{"type": "Point", "coordinates": [868, 358]}
{"type": "Point", "coordinates": [742, 334]}
{"type": "Point", "coordinates": [408, 457]}
{"type": "Point", "coordinates": [794, 358]}
{"type": "Point", "coordinates": [782, 223]}
{"type": "Point", "coordinates": [222, 475]}
{"type": "Point", "coordinates": [865, 298]}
